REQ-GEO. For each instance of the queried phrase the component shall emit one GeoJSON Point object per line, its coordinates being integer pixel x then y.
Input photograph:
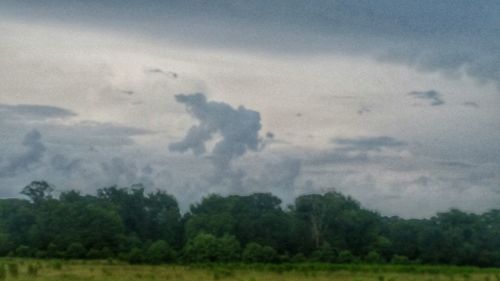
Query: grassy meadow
{"type": "Point", "coordinates": [57, 270]}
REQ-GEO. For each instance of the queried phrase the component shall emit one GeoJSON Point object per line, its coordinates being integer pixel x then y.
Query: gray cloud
{"type": "Point", "coordinates": [66, 166]}
{"type": "Point", "coordinates": [170, 74]}
{"type": "Point", "coordinates": [365, 144]}
{"type": "Point", "coordinates": [452, 36]}
{"type": "Point", "coordinates": [434, 97]}
{"type": "Point", "coordinates": [95, 133]}
{"type": "Point", "coordinates": [358, 151]}
{"type": "Point", "coordinates": [33, 112]}
{"type": "Point", "coordinates": [238, 130]}
{"type": "Point", "coordinates": [33, 154]}
{"type": "Point", "coordinates": [471, 104]}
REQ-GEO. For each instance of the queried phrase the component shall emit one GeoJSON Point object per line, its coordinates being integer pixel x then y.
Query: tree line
{"type": "Point", "coordinates": [140, 227]}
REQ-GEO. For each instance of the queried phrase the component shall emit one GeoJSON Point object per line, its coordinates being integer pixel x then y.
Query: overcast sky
{"type": "Point", "coordinates": [395, 103]}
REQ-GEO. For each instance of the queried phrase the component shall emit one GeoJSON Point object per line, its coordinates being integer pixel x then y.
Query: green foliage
{"type": "Point", "coordinates": [397, 259]}
{"type": "Point", "coordinates": [373, 257]}
{"type": "Point", "coordinates": [23, 251]}
{"type": "Point", "coordinates": [160, 252]}
{"type": "Point", "coordinates": [148, 227]}
{"type": "Point", "coordinates": [324, 254]}
{"type": "Point", "coordinates": [256, 253]}
{"type": "Point", "coordinates": [76, 251]}
{"type": "Point", "coordinates": [346, 257]}
{"type": "Point", "coordinates": [202, 248]}
{"type": "Point", "coordinates": [136, 256]}
{"type": "Point", "coordinates": [228, 249]}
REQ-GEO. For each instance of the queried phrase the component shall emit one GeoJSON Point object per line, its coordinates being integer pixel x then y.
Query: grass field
{"type": "Point", "coordinates": [54, 270]}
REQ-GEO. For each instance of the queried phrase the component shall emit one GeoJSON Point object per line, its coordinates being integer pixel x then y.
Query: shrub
{"type": "Point", "coordinates": [324, 254]}
{"type": "Point", "coordinates": [76, 251]}
{"type": "Point", "coordinates": [104, 253]}
{"type": "Point", "coordinates": [136, 256]}
{"type": "Point", "coordinates": [256, 253]}
{"type": "Point", "coordinates": [397, 259]}
{"type": "Point", "coordinates": [373, 257]}
{"type": "Point", "coordinates": [202, 248]}
{"type": "Point", "coordinates": [160, 252]}
{"type": "Point", "coordinates": [228, 249]}
{"type": "Point", "coordinates": [23, 251]}
{"type": "Point", "coordinates": [345, 257]}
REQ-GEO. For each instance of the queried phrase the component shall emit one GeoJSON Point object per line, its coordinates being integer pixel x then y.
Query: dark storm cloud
{"type": "Point", "coordinates": [449, 36]}
{"type": "Point", "coordinates": [432, 96]}
{"type": "Point", "coordinates": [238, 129]}
{"type": "Point", "coordinates": [31, 112]}
{"type": "Point", "coordinates": [33, 154]}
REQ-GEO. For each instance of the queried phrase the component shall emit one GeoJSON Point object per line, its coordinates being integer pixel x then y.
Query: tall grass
{"type": "Point", "coordinates": [58, 270]}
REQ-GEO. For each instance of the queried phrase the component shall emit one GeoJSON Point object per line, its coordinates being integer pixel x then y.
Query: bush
{"type": "Point", "coordinates": [345, 257]}
{"type": "Point", "coordinates": [23, 251]}
{"type": "Point", "coordinates": [53, 251]}
{"type": "Point", "coordinates": [324, 254]}
{"type": "Point", "coordinates": [373, 257]}
{"type": "Point", "coordinates": [40, 254]}
{"type": "Point", "coordinates": [228, 249]}
{"type": "Point", "coordinates": [256, 253]}
{"type": "Point", "coordinates": [76, 251]}
{"type": "Point", "coordinates": [202, 248]}
{"type": "Point", "coordinates": [160, 252]}
{"type": "Point", "coordinates": [397, 259]}
{"type": "Point", "coordinates": [99, 254]}
{"type": "Point", "coordinates": [136, 256]}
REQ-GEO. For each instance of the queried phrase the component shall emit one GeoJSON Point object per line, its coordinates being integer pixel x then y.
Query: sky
{"type": "Point", "coordinates": [395, 103]}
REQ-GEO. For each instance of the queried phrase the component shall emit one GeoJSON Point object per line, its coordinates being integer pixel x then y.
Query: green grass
{"type": "Point", "coordinates": [56, 270]}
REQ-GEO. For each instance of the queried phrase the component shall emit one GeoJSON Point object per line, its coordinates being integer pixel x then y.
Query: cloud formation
{"type": "Point", "coordinates": [238, 129]}
{"type": "Point", "coordinates": [33, 112]}
{"type": "Point", "coordinates": [434, 97]}
{"type": "Point", "coordinates": [33, 154]}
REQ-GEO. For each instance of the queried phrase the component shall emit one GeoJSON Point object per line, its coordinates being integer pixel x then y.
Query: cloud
{"type": "Point", "coordinates": [434, 97]}
{"type": "Point", "coordinates": [66, 166]}
{"type": "Point", "coordinates": [95, 133]}
{"type": "Point", "coordinates": [368, 143]}
{"type": "Point", "coordinates": [471, 104]}
{"type": "Point", "coordinates": [447, 37]}
{"type": "Point", "coordinates": [33, 154]}
{"type": "Point", "coordinates": [31, 112]}
{"type": "Point", "coordinates": [238, 129]}
{"type": "Point", "coordinates": [170, 74]}
{"type": "Point", "coordinates": [358, 151]}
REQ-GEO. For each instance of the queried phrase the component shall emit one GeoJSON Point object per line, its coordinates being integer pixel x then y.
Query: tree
{"type": "Point", "coordinates": [38, 191]}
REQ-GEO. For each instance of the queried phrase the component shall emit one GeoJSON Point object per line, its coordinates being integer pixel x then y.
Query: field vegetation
{"type": "Point", "coordinates": [110, 270]}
